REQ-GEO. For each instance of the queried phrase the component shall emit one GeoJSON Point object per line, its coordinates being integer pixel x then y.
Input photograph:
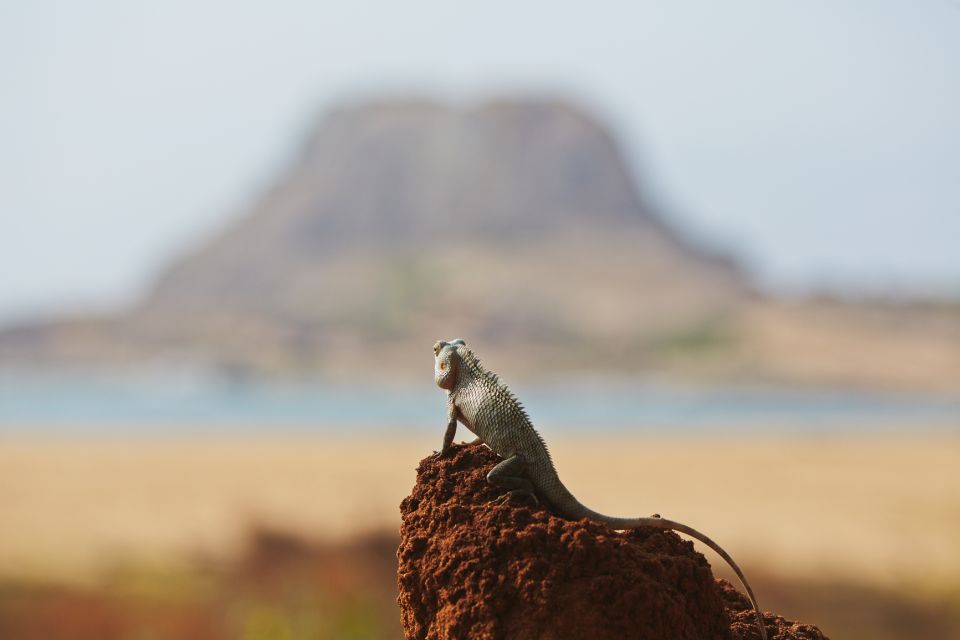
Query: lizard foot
{"type": "Point", "coordinates": [521, 495]}
{"type": "Point", "coordinates": [444, 453]}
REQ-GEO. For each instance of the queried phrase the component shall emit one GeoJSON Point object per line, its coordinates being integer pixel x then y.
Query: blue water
{"type": "Point", "coordinates": [186, 403]}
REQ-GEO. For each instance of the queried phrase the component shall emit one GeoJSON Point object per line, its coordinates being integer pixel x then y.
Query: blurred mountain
{"type": "Point", "coordinates": [515, 224]}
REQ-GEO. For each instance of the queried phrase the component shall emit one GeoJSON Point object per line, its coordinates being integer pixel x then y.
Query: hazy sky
{"type": "Point", "coordinates": [820, 138]}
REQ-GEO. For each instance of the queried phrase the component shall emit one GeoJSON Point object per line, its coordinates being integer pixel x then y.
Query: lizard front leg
{"type": "Point", "coordinates": [451, 428]}
{"type": "Point", "coordinates": [509, 475]}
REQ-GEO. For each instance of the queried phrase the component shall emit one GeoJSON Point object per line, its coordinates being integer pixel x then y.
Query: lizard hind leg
{"type": "Point", "coordinates": [508, 474]}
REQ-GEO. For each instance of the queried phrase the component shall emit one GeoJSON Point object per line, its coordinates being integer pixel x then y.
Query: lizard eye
{"type": "Point", "coordinates": [443, 366]}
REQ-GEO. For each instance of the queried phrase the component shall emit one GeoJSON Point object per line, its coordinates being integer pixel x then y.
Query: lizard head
{"type": "Point", "coordinates": [446, 362]}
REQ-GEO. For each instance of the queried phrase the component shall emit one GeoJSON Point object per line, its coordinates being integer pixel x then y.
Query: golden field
{"type": "Point", "coordinates": [884, 510]}
{"type": "Point", "coordinates": [293, 537]}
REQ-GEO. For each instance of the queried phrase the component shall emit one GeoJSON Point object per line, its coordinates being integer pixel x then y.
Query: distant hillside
{"type": "Point", "coordinates": [515, 224]}
{"type": "Point", "coordinates": [398, 185]}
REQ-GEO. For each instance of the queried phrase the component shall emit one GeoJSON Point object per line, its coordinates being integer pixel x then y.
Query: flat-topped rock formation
{"type": "Point", "coordinates": [514, 220]}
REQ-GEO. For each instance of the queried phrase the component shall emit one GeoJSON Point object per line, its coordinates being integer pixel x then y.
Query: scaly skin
{"type": "Point", "coordinates": [477, 398]}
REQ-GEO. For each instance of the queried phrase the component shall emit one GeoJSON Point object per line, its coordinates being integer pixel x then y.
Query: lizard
{"type": "Point", "coordinates": [483, 404]}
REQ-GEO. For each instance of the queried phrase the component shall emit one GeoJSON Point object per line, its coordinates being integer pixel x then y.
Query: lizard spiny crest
{"type": "Point", "coordinates": [472, 362]}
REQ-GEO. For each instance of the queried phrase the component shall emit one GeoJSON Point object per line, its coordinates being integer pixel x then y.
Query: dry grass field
{"type": "Point", "coordinates": [878, 510]}
{"type": "Point", "coordinates": [276, 538]}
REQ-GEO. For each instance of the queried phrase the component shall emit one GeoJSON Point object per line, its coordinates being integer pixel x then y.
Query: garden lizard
{"type": "Point", "coordinates": [477, 398]}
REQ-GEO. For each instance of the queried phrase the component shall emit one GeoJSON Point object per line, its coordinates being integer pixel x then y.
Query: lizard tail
{"type": "Point", "coordinates": [693, 533]}
{"type": "Point", "coordinates": [664, 524]}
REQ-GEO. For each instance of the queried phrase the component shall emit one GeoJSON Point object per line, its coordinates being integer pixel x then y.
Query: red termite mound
{"type": "Point", "coordinates": [471, 568]}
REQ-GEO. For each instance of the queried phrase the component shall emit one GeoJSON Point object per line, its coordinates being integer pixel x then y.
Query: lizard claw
{"type": "Point", "coordinates": [521, 495]}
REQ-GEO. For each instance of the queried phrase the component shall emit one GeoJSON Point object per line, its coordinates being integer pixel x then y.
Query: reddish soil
{"type": "Point", "coordinates": [470, 568]}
